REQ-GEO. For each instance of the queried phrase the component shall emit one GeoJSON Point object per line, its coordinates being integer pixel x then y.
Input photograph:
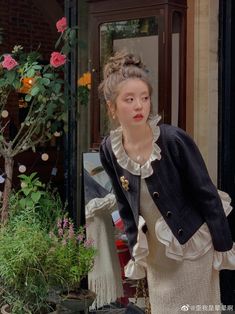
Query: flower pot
{"type": "Point", "coordinates": [79, 301]}
{"type": "Point", "coordinates": [5, 309]}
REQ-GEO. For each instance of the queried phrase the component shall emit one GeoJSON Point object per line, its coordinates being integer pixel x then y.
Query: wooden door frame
{"type": "Point", "coordinates": [103, 11]}
{"type": "Point", "coordinates": [226, 139]}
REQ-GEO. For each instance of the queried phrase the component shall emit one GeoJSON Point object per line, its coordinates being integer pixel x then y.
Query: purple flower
{"type": "Point", "coordinates": [59, 223]}
{"type": "Point", "coordinates": [80, 237]}
{"type": "Point", "coordinates": [60, 232]}
{"type": "Point", "coordinates": [51, 234]}
{"type": "Point", "coordinates": [64, 242]}
{"type": "Point", "coordinates": [65, 224]}
{"type": "Point", "coordinates": [71, 232]}
{"type": "Point", "coordinates": [71, 224]}
{"type": "Point", "coordinates": [88, 243]}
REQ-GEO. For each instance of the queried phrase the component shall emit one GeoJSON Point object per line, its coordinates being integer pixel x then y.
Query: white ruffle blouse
{"type": "Point", "coordinates": [199, 244]}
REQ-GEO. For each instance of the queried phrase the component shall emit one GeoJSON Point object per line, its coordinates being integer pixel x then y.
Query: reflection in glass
{"type": "Point", "coordinates": [139, 36]}
{"type": "Point", "coordinates": [175, 79]}
{"type": "Point", "coordinates": [105, 227]}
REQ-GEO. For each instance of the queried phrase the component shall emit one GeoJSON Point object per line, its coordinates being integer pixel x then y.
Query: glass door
{"type": "Point", "coordinates": [138, 36]}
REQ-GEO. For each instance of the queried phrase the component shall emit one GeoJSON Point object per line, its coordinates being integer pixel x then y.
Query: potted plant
{"type": "Point", "coordinates": [40, 250]}
{"type": "Point", "coordinates": [70, 259]}
{"type": "Point", "coordinates": [24, 242]}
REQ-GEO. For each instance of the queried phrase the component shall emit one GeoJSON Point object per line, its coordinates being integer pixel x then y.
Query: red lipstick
{"type": "Point", "coordinates": [138, 117]}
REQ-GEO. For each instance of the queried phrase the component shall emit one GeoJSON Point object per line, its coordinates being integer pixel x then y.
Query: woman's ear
{"type": "Point", "coordinates": [111, 109]}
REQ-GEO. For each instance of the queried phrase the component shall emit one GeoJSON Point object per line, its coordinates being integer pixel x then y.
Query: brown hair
{"type": "Point", "coordinates": [120, 67]}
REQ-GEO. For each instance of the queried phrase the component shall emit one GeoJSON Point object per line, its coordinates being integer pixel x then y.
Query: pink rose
{"type": "Point", "coordinates": [57, 59]}
{"type": "Point", "coordinates": [9, 63]}
{"type": "Point", "coordinates": [61, 25]}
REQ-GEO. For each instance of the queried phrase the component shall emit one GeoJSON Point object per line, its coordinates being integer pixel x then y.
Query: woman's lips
{"type": "Point", "coordinates": [138, 117]}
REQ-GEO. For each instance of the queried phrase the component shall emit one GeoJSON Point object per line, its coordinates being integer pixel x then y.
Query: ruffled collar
{"type": "Point", "coordinates": [125, 161]}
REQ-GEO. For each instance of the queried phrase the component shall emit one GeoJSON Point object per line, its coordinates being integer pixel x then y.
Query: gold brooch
{"type": "Point", "coordinates": [125, 183]}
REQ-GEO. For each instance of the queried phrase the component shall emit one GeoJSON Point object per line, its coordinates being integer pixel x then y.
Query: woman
{"type": "Point", "coordinates": [174, 218]}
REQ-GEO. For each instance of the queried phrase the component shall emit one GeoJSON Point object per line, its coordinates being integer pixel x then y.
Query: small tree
{"type": "Point", "coordinates": [43, 87]}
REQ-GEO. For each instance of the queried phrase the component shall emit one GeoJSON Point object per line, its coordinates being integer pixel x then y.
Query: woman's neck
{"type": "Point", "coordinates": [138, 143]}
{"type": "Point", "coordinates": [136, 135]}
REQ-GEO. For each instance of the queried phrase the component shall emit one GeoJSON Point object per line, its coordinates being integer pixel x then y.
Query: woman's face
{"type": "Point", "coordinates": [133, 103]}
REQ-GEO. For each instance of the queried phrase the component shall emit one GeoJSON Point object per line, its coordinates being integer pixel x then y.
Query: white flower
{"type": "Point", "coordinates": [17, 49]}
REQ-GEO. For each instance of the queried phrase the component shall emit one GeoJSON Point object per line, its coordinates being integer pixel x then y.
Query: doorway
{"type": "Point", "coordinates": [226, 160]}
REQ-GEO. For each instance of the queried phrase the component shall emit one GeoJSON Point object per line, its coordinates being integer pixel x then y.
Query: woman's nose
{"type": "Point", "coordinates": [138, 104]}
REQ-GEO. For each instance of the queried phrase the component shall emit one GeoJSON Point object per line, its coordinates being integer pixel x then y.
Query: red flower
{"type": "Point", "coordinates": [57, 59]}
{"type": "Point", "coordinates": [61, 25]}
{"type": "Point", "coordinates": [9, 63]}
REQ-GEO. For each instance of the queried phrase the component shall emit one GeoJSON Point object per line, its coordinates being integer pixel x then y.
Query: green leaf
{"type": "Point", "coordinates": [33, 175]}
{"type": "Point", "coordinates": [30, 73]}
{"type": "Point", "coordinates": [66, 49]}
{"type": "Point", "coordinates": [22, 202]}
{"type": "Point", "coordinates": [45, 81]}
{"type": "Point", "coordinates": [72, 35]}
{"type": "Point", "coordinates": [10, 76]}
{"type": "Point", "coordinates": [29, 203]}
{"type": "Point", "coordinates": [64, 116]}
{"type": "Point", "coordinates": [35, 90]}
{"type": "Point", "coordinates": [36, 196]}
{"type": "Point", "coordinates": [2, 82]}
{"type": "Point", "coordinates": [39, 183]}
{"type": "Point", "coordinates": [56, 88]}
{"type": "Point", "coordinates": [48, 75]}
{"type": "Point", "coordinates": [42, 89]}
{"type": "Point", "coordinates": [37, 67]}
{"type": "Point", "coordinates": [26, 190]}
{"type": "Point", "coordinates": [28, 97]}
{"type": "Point", "coordinates": [50, 108]}
{"type": "Point", "coordinates": [45, 68]}
{"type": "Point", "coordinates": [16, 84]}
{"type": "Point", "coordinates": [23, 177]}
{"type": "Point", "coordinates": [62, 101]}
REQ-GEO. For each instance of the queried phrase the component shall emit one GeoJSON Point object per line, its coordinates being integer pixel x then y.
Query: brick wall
{"type": "Point", "coordinates": [28, 25]}
{"type": "Point", "coordinates": [25, 23]}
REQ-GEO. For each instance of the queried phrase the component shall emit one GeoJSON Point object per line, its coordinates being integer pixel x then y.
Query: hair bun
{"type": "Point", "coordinates": [121, 59]}
{"type": "Point", "coordinates": [131, 59]}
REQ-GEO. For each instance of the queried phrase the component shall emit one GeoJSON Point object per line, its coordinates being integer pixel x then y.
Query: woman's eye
{"type": "Point", "coordinates": [129, 100]}
{"type": "Point", "coordinates": [146, 98]}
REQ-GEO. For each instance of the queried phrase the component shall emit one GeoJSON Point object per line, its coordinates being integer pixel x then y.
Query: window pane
{"type": "Point", "coordinates": [139, 36]}
{"type": "Point", "coordinates": [176, 27]}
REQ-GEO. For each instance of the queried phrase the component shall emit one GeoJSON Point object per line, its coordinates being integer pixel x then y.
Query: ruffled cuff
{"type": "Point", "coordinates": [136, 267]}
{"type": "Point", "coordinates": [198, 245]}
{"type": "Point", "coordinates": [99, 204]}
{"type": "Point", "coordinates": [135, 270]}
{"type": "Point", "coordinates": [224, 260]}
{"type": "Point", "coordinates": [226, 202]}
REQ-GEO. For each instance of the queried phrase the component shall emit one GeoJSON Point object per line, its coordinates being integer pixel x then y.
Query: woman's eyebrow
{"type": "Point", "coordinates": [132, 93]}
